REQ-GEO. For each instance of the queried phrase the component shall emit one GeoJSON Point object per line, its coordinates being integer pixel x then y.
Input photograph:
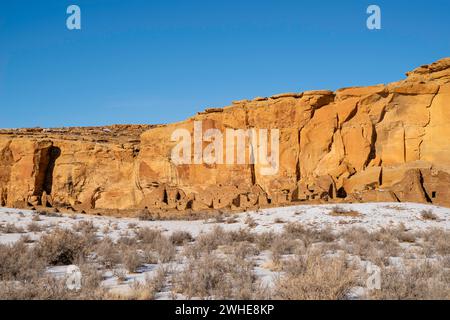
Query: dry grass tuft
{"type": "Point", "coordinates": [34, 227]}
{"type": "Point", "coordinates": [428, 215]}
{"type": "Point", "coordinates": [213, 276]}
{"type": "Point", "coordinates": [316, 278]}
{"type": "Point", "coordinates": [62, 247]}
{"type": "Point", "coordinates": [423, 281]}
{"type": "Point", "coordinates": [179, 238]}
{"type": "Point", "coordinates": [11, 228]}
{"type": "Point", "coordinates": [341, 212]}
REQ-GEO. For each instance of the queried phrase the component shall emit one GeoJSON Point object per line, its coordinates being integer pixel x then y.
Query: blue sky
{"type": "Point", "coordinates": [139, 61]}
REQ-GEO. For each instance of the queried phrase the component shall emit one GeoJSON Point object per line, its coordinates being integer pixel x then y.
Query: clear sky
{"type": "Point", "coordinates": [142, 61]}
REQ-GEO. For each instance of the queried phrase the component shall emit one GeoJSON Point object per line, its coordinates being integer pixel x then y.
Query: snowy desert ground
{"type": "Point", "coordinates": [298, 252]}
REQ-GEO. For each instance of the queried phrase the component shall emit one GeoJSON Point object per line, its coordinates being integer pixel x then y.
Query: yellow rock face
{"type": "Point", "coordinates": [379, 143]}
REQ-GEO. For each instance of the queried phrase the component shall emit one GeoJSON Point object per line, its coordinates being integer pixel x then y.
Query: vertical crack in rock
{"type": "Point", "coordinates": [297, 166]}
{"type": "Point", "coordinates": [373, 150]}
{"type": "Point", "coordinates": [423, 188]}
{"type": "Point", "coordinates": [427, 124]}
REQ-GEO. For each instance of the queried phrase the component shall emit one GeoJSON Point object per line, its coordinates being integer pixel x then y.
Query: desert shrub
{"type": "Point", "coordinates": [337, 211]}
{"type": "Point", "coordinates": [132, 225]}
{"type": "Point", "coordinates": [264, 240]}
{"type": "Point", "coordinates": [437, 241]}
{"type": "Point", "coordinates": [34, 227]}
{"type": "Point", "coordinates": [147, 235]}
{"type": "Point", "coordinates": [325, 235]}
{"type": "Point", "coordinates": [127, 241]}
{"type": "Point", "coordinates": [42, 288]}
{"type": "Point", "coordinates": [53, 213]}
{"type": "Point", "coordinates": [154, 240]}
{"type": "Point", "coordinates": [108, 253]}
{"type": "Point", "coordinates": [386, 240]}
{"type": "Point", "coordinates": [85, 226]}
{"type": "Point", "coordinates": [149, 289]}
{"type": "Point", "coordinates": [419, 282]}
{"type": "Point", "coordinates": [91, 284]}
{"type": "Point", "coordinates": [120, 274]}
{"type": "Point", "coordinates": [278, 220]}
{"type": "Point", "coordinates": [401, 233]}
{"type": "Point", "coordinates": [294, 266]}
{"type": "Point", "coordinates": [11, 228]}
{"type": "Point", "coordinates": [238, 236]}
{"type": "Point", "coordinates": [88, 231]}
{"type": "Point", "coordinates": [146, 215]}
{"type": "Point", "coordinates": [165, 249]}
{"type": "Point", "coordinates": [106, 229]}
{"type": "Point", "coordinates": [318, 278]}
{"type": "Point", "coordinates": [282, 246]}
{"type": "Point", "coordinates": [359, 242]}
{"type": "Point", "coordinates": [19, 262]}
{"type": "Point", "coordinates": [180, 237]}
{"type": "Point", "coordinates": [149, 255]}
{"type": "Point", "coordinates": [61, 247]}
{"type": "Point", "coordinates": [250, 222]}
{"type": "Point", "coordinates": [376, 247]}
{"type": "Point", "coordinates": [27, 239]}
{"type": "Point", "coordinates": [210, 241]}
{"type": "Point", "coordinates": [131, 259]}
{"type": "Point", "coordinates": [231, 220]}
{"type": "Point", "coordinates": [406, 237]}
{"type": "Point", "coordinates": [295, 230]}
{"type": "Point", "coordinates": [215, 277]}
{"type": "Point", "coordinates": [244, 249]}
{"type": "Point", "coordinates": [428, 215]}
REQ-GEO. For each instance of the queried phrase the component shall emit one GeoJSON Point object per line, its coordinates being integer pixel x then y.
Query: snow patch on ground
{"type": "Point", "coordinates": [373, 216]}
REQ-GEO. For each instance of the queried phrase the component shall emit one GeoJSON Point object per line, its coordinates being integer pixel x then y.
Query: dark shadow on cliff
{"type": "Point", "coordinates": [54, 153]}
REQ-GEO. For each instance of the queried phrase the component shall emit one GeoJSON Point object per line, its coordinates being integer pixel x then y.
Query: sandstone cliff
{"type": "Point", "coordinates": [379, 143]}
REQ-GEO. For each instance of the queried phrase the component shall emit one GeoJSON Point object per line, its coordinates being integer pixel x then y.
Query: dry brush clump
{"type": "Point", "coordinates": [34, 227]}
{"type": "Point", "coordinates": [428, 215]}
{"type": "Point", "coordinates": [19, 262]}
{"type": "Point", "coordinates": [108, 253]}
{"type": "Point", "coordinates": [132, 260]}
{"type": "Point", "coordinates": [316, 277]}
{"type": "Point", "coordinates": [154, 240]}
{"type": "Point", "coordinates": [23, 270]}
{"type": "Point", "coordinates": [421, 281]}
{"type": "Point", "coordinates": [376, 247]}
{"type": "Point", "coordinates": [208, 242]}
{"type": "Point", "coordinates": [62, 247]}
{"type": "Point", "coordinates": [342, 212]}
{"type": "Point", "coordinates": [212, 276]}
{"type": "Point", "coordinates": [436, 242]}
{"type": "Point", "coordinates": [148, 289]}
{"type": "Point", "coordinates": [11, 228]}
{"type": "Point", "coordinates": [179, 238]}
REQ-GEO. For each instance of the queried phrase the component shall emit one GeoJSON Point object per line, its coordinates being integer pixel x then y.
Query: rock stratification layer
{"type": "Point", "coordinates": [378, 143]}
